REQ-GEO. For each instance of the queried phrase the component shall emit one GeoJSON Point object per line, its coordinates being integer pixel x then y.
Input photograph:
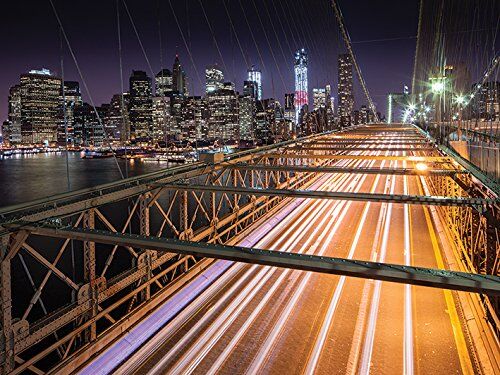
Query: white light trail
{"type": "Point", "coordinates": [372, 320]}
{"type": "Point", "coordinates": [320, 342]}
{"type": "Point", "coordinates": [408, 325]}
{"type": "Point", "coordinates": [259, 359]}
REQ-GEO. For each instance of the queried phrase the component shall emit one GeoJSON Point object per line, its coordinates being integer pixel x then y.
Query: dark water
{"type": "Point", "coordinates": [27, 177]}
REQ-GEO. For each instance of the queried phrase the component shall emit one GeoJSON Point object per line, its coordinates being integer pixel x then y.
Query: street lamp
{"type": "Point", "coordinates": [460, 99]}
{"type": "Point", "coordinates": [437, 86]}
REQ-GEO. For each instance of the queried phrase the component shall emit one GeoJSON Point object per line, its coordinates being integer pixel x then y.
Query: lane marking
{"type": "Point", "coordinates": [463, 352]}
{"type": "Point", "coordinates": [320, 341]}
{"type": "Point", "coordinates": [408, 364]}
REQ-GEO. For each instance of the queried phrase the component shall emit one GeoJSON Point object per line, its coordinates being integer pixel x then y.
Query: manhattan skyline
{"type": "Point", "coordinates": [96, 47]}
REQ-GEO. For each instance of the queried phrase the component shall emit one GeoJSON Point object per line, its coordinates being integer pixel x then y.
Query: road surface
{"type": "Point", "coordinates": [257, 319]}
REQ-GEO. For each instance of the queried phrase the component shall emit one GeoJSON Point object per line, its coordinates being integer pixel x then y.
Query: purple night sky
{"type": "Point", "coordinates": [30, 40]}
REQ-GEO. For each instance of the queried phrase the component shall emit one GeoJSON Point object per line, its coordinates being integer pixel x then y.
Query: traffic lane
{"type": "Point", "coordinates": [187, 327]}
{"type": "Point", "coordinates": [301, 244]}
{"type": "Point", "coordinates": [435, 346]}
{"type": "Point", "coordinates": [305, 321]}
{"type": "Point", "coordinates": [387, 352]}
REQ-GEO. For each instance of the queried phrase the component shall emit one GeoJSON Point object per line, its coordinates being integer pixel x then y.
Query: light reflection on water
{"type": "Point", "coordinates": [32, 176]}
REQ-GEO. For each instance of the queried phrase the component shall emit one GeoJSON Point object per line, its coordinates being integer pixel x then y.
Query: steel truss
{"type": "Point", "coordinates": [70, 308]}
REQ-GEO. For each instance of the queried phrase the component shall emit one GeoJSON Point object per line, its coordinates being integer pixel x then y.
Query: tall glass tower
{"type": "Point", "coordinates": [255, 75]}
{"type": "Point", "coordinates": [301, 91]}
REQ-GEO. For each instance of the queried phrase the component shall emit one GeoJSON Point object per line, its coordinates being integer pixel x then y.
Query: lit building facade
{"type": "Point", "coordinates": [319, 98]}
{"type": "Point", "coordinates": [194, 116]}
{"type": "Point", "coordinates": [290, 107]}
{"type": "Point", "coordinates": [486, 104]}
{"type": "Point", "coordinates": [89, 130]}
{"type": "Point", "coordinates": [214, 78]}
{"type": "Point", "coordinates": [161, 119]}
{"type": "Point", "coordinates": [140, 107]}
{"type": "Point", "coordinates": [301, 85]}
{"type": "Point", "coordinates": [41, 106]}
{"type": "Point", "coordinates": [178, 78]}
{"type": "Point", "coordinates": [71, 98]}
{"type": "Point", "coordinates": [246, 117]}
{"type": "Point", "coordinates": [163, 83]}
{"type": "Point", "coordinates": [117, 119]}
{"type": "Point", "coordinates": [345, 89]}
{"type": "Point", "coordinates": [255, 75]}
{"type": "Point", "coordinates": [365, 115]}
{"type": "Point", "coordinates": [250, 89]}
{"type": "Point", "coordinates": [12, 127]}
{"type": "Point", "coordinates": [224, 112]}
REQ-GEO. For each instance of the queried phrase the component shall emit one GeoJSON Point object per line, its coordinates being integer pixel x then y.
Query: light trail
{"type": "Point", "coordinates": [289, 242]}
{"type": "Point", "coordinates": [408, 322]}
{"type": "Point", "coordinates": [263, 353]}
{"type": "Point", "coordinates": [372, 320]}
{"type": "Point", "coordinates": [252, 316]}
{"type": "Point", "coordinates": [352, 363]}
{"type": "Point", "coordinates": [320, 342]}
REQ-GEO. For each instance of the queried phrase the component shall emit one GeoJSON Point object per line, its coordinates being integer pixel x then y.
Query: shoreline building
{"type": "Point", "coordinates": [345, 90]}
{"type": "Point", "coordinates": [178, 78]}
{"type": "Point", "coordinates": [301, 86]}
{"type": "Point", "coordinates": [41, 106]}
{"type": "Point", "coordinates": [163, 83]}
{"type": "Point", "coordinates": [214, 78]}
{"type": "Point", "coordinates": [140, 107]}
{"type": "Point", "coordinates": [71, 100]}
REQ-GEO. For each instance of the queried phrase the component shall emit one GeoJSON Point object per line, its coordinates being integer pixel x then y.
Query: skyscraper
{"type": "Point", "coordinates": [89, 129]}
{"type": "Point", "coordinates": [140, 107]}
{"type": "Point", "coordinates": [250, 89]}
{"type": "Point", "coordinates": [255, 75]}
{"type": "Point", "coordinates": [12, 130]}
{"type": "Point", "coordinates": [73, 99]}
{"type": "Point", "coordinates": [161, 119]}
{"type": "Point", "coordinates": [117, 119]}
{"type": "Point", "coordinates": [319, 98]}
{"type": "Point", "coordinates": [40, 106]}
{"type": "Point", "coordinates": [345, 89]}
{"type": "Point", "coordinates": [246, 117]}
{"type": "Point", "coordinates": [224, 112]}
{"type": "Point", "coordinates": [486, 103]}
{"type": "Point", "coordinates": [178, 77]}
{"type": "Point", "coordinates": [301, 85]}
{"type": "Point", "coordinates": [163, 82]}
{"type": "Point", "coordinates": [290, 109]}
{"type": "Point", "coordinates": [214, 79]}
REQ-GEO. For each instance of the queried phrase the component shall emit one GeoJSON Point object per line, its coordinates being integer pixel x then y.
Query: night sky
{"type": "Point", "coordinates": [30, 39]}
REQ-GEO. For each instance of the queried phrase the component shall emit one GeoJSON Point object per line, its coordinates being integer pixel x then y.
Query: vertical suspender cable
{"type": "Point", "coordinates": [84, 82]}
{"type": "Point", "coordinates": [415, 61]}
{"type": "Point", "coordinates": [68, 179]}
{"type": "Point", "coordinates": [122, 104]}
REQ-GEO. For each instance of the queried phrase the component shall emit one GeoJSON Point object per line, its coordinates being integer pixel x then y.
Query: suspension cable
{"type": "Point", "coordinates": [347, 41]}
{"type": "Point", "coordinates": [84, 83]}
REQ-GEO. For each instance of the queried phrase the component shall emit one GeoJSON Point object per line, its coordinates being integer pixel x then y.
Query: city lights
{"type": "Point", "coordinates": [437, 86]}
{"type": "Point", "coordinates": [421, 167]}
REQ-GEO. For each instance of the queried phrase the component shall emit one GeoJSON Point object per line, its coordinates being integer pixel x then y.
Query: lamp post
{"type": "Point", "coordinates": [460, 101]}
{"type": "Point", "coordinates": [438, 88]}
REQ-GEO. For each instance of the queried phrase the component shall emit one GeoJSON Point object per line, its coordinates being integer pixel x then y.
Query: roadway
{"type": "Point", "coordinates": [257, 319]}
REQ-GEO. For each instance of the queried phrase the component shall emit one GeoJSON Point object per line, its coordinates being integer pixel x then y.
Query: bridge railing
{"type": "Point", "coordinates": [51, 307]}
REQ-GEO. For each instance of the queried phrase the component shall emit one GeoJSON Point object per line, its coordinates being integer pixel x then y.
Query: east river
{"type": "Point", "coordinates": [27, 177]}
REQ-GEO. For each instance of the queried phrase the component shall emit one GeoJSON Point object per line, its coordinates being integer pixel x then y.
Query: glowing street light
{"type": "Point", "coordinates": [460, 99]}
{"type": "Point", "coordinates": [437, 86]}
{"type": "Point", "coordinates": [421, 167]}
